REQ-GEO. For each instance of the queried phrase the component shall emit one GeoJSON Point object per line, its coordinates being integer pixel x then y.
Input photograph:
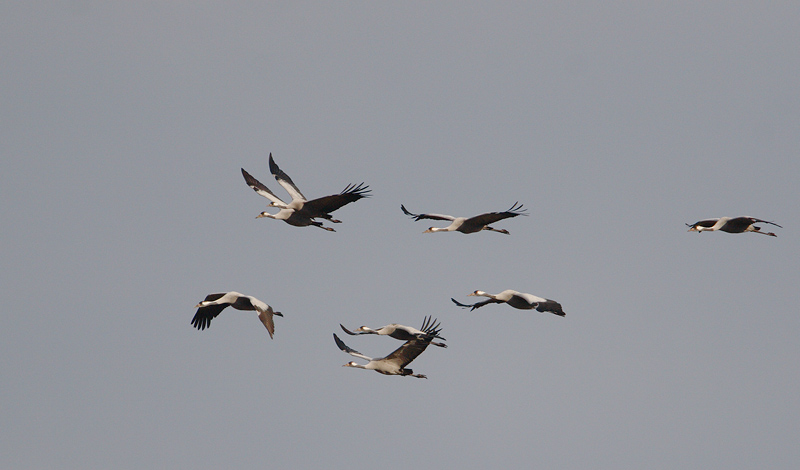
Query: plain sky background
{"type": "Point", "coordinates": [123, 126]}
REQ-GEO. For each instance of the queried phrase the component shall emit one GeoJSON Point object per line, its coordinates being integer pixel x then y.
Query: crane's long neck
{"type": "Point", "coordinates": [296, 204]}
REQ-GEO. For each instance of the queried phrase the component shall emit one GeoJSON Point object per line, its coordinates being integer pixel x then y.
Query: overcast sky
{"type": "Point", "coordinates": [123, 128]}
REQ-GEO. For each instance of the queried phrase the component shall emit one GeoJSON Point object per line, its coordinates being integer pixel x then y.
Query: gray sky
{"type": "Point", "coordinates": [123, 130]}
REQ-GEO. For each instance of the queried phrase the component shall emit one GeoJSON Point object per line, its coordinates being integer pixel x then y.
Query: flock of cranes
{"type": "Point", "coordinates": [302, 212]}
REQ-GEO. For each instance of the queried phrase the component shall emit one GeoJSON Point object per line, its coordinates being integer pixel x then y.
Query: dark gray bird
{"type": "Point", "coordinates": [396, 362]}
{"type": "Point", "coordinates": [213, 304]}
{"type": "Point", "coordinates": [515, 299]}
{"type": "Point", "coordinates": [401, 332]}
{"type": "Point", "coordinates": [731, 225]}
{"type": "Point", "coordinates": [469, 224]}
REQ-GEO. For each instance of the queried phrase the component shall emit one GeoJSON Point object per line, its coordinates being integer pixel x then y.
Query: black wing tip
{"type": "Point", "coordinates": [359, 190]}
{"type": "Point", "coordinates": [200, 323]}
{"type": "Point", "coordinates": [416, 217]}
{"type": "Point", "coordinates": [249, 179]}
{"type": "Point", "coordinates": [432, 327]}
{"type": "Point", "coordinates": [767, 222]}
{"type": "Point", "coordinates": [343, 346]}
{"type": "Point", "coordinates": [276, 171]}
{"type": "Point", "coordinates": [517, 209]}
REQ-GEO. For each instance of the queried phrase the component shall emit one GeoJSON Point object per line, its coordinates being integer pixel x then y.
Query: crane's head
{"type": "Point", "coordinates": [265, 214]}
{"type": "Point", "coordinates": [353, 364]}
{"type": "Point", "coordinates": [365, 329]}
{"type": "Point", "coordinates": [477, 293]}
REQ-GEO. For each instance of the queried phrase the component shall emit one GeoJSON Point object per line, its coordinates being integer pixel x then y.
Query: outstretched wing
{"type": "Point", "coordinates": [491, 217]}
{"type": "Point", "coordinates": [202, 319]}
{"type": "Point", "coordinates": [261, 189]}
{"type": "Point", "coordinates": [476, 305]}
{"type": "Point", "coordinates": [459, 303]}
{"type": "Point", "coordinates": [269, 323]}
{"type": "Point", "coordinates": [284, 180]}
{"type": "Point", "coordinates": [348, 349]}
{"type": "Point", "coordinates": [753, 220]}
{"type": "Point", "coordinates": [409, 351]}
{"type": "Point", "coordinates": [426, 216]}
{"type": "Point", "coordinates": [328, 204]}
